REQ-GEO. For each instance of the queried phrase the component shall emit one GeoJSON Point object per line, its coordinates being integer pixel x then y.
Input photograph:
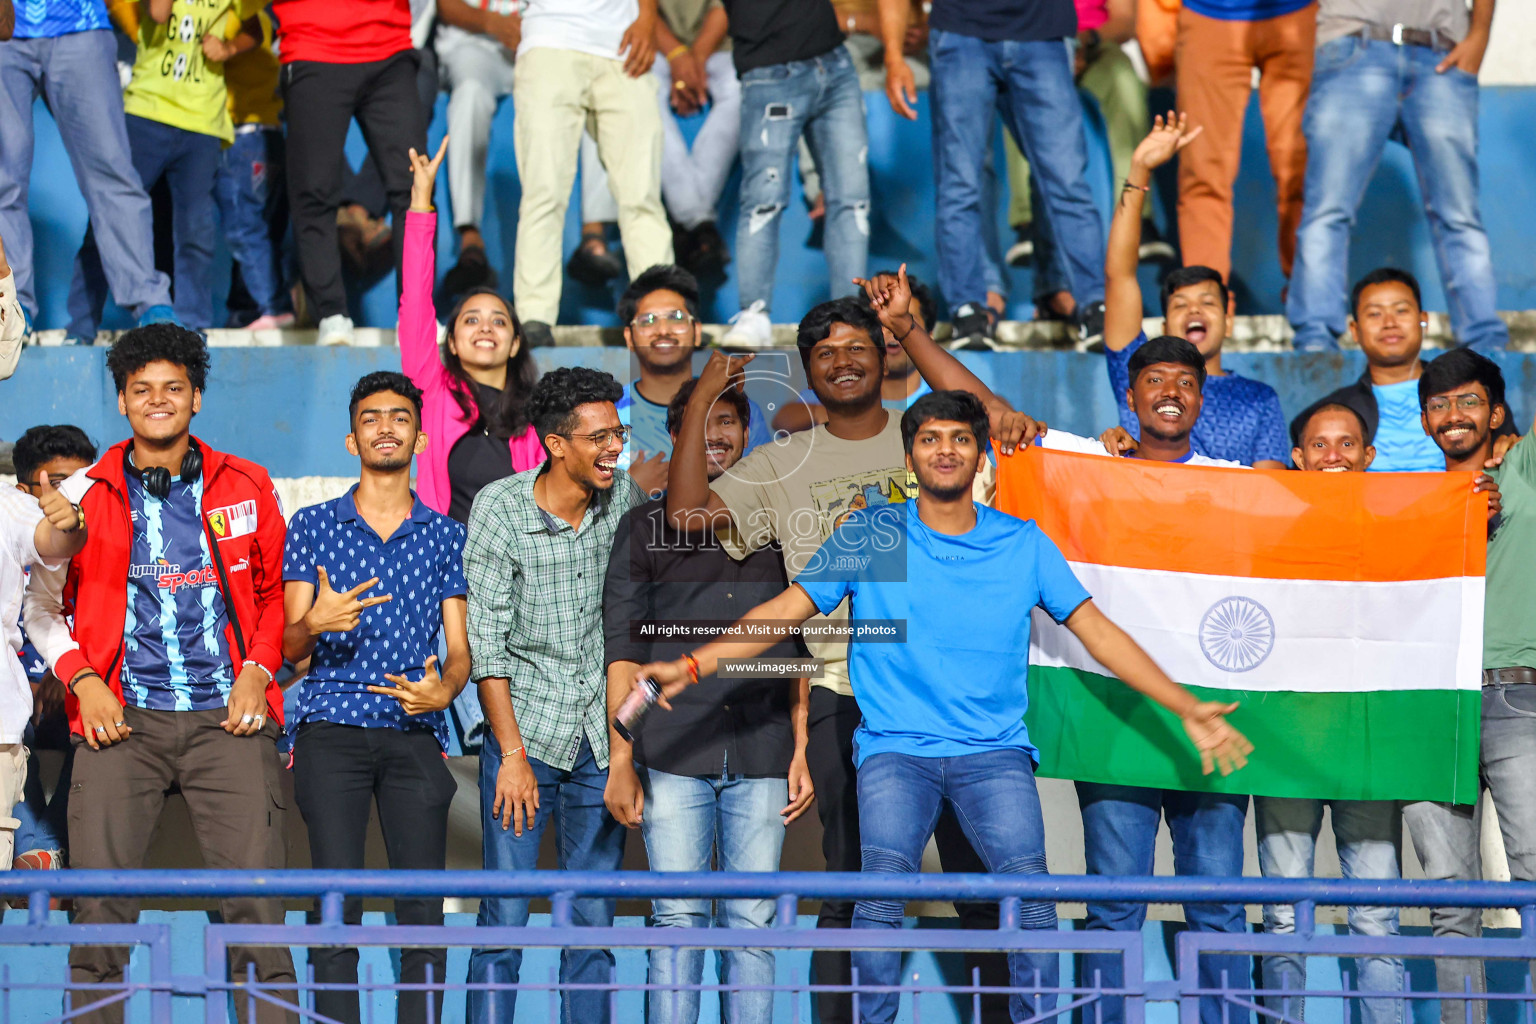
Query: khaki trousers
{"type": "Point", "coordinates": [234, 792]}
{"type": "Point", "coordinates": [557, 94]}
{"type": "Point", "coordinates": [1216, 59]}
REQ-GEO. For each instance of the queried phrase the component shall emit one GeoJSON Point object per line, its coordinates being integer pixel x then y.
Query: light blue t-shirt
{"type": "Point", "coordinates": [1401, 444]}
{"type": "Point", "coordinates": [954, 683]}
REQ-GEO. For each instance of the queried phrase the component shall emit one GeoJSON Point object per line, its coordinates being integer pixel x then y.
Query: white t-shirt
{"type": "Point", "coordinates": [1061, 441]}
{"type": "Point", "coordinates": [586, 26]}
{"type": "Point", "coordinates": [18, 522]}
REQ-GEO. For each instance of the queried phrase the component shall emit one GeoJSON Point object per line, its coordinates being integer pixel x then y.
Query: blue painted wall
{"type": "Point", "coordinates": [1391, 226]}
{"type": "Point", "coordinates": [286, 407]}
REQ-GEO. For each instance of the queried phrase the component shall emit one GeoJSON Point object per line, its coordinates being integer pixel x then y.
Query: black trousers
{"type": "Point", "coordinates": [339, 771]}
{"type": "Point", "coordinates": [321, 100]}
{"type": "Point", "coordinates": [829, 755]}
{"type": "Point", "coordinates": [366, 186]}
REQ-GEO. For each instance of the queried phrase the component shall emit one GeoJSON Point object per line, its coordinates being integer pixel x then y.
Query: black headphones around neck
{"type": "Point", "coordinates": [157, 479]}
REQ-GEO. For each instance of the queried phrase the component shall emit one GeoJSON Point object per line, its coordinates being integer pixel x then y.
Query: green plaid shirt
{"type": "Point", "coordinates": [536, 611]}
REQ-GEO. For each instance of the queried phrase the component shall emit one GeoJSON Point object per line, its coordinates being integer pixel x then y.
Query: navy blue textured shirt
{"type": "Point", "coordinates": [1240, 419]}
{"type": "Point", "coordinates": [175, 655]}
{"type": "Point", "coordinates": [420, 566]}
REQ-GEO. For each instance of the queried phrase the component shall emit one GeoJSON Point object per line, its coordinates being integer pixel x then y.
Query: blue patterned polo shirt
{"type": "Point", "coordinates": [420, 566]}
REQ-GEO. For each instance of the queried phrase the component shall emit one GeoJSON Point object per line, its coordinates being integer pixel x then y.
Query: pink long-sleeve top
{"type": "Point", "coordinates": [418, 333]}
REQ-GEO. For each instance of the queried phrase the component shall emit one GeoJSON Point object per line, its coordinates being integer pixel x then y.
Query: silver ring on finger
{"type": "Point", "coordinates": [245, 719]}
{"type": "Point", "coordinates": [119, 724]}
{"type": "Point", "coordinates": [101, 730]}
{"type": "Point", "coordinates": [259, 720]}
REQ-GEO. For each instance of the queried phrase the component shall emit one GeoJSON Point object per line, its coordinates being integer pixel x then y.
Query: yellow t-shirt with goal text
{"type": "Point", "coordinates": [173, 82]}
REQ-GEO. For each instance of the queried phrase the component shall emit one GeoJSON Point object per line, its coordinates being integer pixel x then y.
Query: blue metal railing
{"type": "Point", "coordinates": [787, 889]}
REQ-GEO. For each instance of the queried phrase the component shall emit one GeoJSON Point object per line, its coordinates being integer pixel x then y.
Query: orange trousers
{"type": "Point", "coordinates": [1214, 77]}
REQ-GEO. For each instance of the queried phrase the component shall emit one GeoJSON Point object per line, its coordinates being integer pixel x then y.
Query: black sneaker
{"type": "Point", "coordinates": [973, 329]}
{"type": "Point", "coordinates": [537, 334]}
{"type": "Point", "coordinates": [593, 266]}
{"type": "Point", "coordinates": [1154, 247]}
{"type": "Point", "coordinates": [473, 271]}
{"type": "Point", "coordinates": [1090, 323]}
{"type": "Point", "coordinates": [706, 254]}
{"type": "Point", "coordinates": [1022, 252]}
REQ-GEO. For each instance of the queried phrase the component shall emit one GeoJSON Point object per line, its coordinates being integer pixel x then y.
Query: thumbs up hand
{"type": "Point", "coordinates": [61, 514]}
{"type": "Point", "coordinates": [339, 611]}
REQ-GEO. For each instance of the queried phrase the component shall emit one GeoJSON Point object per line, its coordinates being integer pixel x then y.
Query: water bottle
{"type": "Point", "coordinates": [635, 706]}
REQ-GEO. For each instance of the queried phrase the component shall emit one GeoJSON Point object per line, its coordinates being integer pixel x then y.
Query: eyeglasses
{"type": "Point", "coordinates": [602, 438]}
{"type": "Point", "coordinates": [1441, 403]}
{"type": "Point", "coordinates": [653, 322]}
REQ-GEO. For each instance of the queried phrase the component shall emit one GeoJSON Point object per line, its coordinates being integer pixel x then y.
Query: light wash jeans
{"type": "Point", "coordinates": [1030, 83]}
{"type": "Point", "coordinates": [821, 98]}
{"type": "Point", "coordinates": [1445, 836]}
{"type": "Point", "coordinates": [688, 820]}
{"type": "Point", "coordinates": [1365, 92]}
{"type": "Point", "coordinates": [1368, 837]}
{"type": "Point", "coordinates": [994, 798]}
{"type": "Point", "coordinates": [77, 75]}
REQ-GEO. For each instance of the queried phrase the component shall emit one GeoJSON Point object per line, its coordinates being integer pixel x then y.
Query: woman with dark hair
{"type": "Point", "coordinates": [475, 390]}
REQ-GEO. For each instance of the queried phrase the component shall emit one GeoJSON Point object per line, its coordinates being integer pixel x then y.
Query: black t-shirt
{"type": "Point", "coordinates": [767, 32]}
{"type": "Point", "coordinates": [999, 20]}
{"type": "Point", "coordinates": [478, 458]}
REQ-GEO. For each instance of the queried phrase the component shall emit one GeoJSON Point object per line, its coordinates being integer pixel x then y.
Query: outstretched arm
{"type": "Point", "coordinates": [1122, 293]}
{"type": "Point", "coordinates": [417, 329]}
{"type": "Point", "coordinates": [1220, 745]}
{"type": "Point", "coordinates": [775, 618]}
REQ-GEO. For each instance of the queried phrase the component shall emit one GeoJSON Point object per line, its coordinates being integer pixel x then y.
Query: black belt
{"type": "Point", "coordinates": [1495, 676]}
{"type": "Point", "coordinates": [1402, 35]}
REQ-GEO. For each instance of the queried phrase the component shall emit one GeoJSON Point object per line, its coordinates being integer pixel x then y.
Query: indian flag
{"type": "Point", "coordinates": [1344, 612]}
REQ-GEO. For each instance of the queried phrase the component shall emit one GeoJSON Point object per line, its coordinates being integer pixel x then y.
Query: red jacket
{"type": "Point", "coordinates": [241, 515]}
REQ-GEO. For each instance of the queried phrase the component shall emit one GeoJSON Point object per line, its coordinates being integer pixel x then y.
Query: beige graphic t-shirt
{"type": "Point", "coordinates": [796, 491]}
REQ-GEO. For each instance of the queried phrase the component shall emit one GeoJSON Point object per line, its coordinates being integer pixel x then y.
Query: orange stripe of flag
{"type": "Point", "coordinates": [1272, 524]}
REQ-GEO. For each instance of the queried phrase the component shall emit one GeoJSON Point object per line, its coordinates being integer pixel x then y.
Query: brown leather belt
{"type": "Point", "coordinates": [1495, 676]}
{"type": "Point", "coordinates": [1402, 35]}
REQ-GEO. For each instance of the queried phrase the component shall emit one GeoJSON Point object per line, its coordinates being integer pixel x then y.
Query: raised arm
{"type": "Point", "coordinates": [891, 297]}
{"type": "Point", "coordinates": [1122, 292]}
{"type": "Point", "coordinates": [691, 506]}
{"type": "Point", "coordinates": [1220, 745]}
{"type": "Point", "coordinates": [417, 329]}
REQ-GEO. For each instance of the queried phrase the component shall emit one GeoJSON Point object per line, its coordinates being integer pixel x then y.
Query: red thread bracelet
{"type": "Point", "coordinates": [693, 667]}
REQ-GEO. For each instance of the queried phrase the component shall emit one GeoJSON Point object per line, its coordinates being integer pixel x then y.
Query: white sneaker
{"type": "Point", "coordinates": [336, 330]}
{"type": "Point", "coordinates": [750, 328]}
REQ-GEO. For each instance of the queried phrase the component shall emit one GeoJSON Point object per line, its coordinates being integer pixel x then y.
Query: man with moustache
{"type": "Point", "coordinates": [535, 558]}
{"type": "Point", "coordinates": [1242, 420]}
{"type": "Point", "coordinates": [724, 774]}
{"type": "Point", "coordinates": [1461, 398]}
{"type": "Point", "coordinates": [1331, 438]}
{"type": "Point", "coordinates": [366, 732]}
{"type": "Point", "coordinates": [794, 494]}
{"type": "Point", "coordinates": [943, 707]}
{"type": "Point", "coordinates": [902, 386]}
{"type": "Point", "coordinates": [662, 327]}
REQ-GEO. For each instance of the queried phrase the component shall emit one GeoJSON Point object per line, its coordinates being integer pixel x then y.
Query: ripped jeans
{"type": "Point", "coordinates": [821, 98]}
{"type": "Point", "coordinates": [994, 798]}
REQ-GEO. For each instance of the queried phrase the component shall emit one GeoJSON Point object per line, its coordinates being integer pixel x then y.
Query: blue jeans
{"type": "Point", "coordinates": [589, 840]}
{"type": "Point", "coordinates": [1363, 93]}
{"type": "Point", "coordinates": [821, 98]}
{"type": "Point", "coordinates": [994, 798]}
{"type": "Point", "coordinates": [1369, 835]}
{"type": "Point", "coordinates": [1030, 84]}
{"type": "Point", "coordinates": [686, 821]}
{"type": "Point", "coordinates": [1446, 836]}
{"type": "Point", "coordinates": [77, 75]}
{"type": "Point", "coordinates": [252, 194]}
{"type": "Point", "coordinates": [1119, 833]}
{"type": "Point", "coordinates": [188, 161]}
{"type": "Point", "coordinates": [44, 823]}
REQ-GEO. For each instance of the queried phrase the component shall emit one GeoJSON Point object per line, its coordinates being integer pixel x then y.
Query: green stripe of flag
{"type": "Point", "coordinates": [1342, 746]}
